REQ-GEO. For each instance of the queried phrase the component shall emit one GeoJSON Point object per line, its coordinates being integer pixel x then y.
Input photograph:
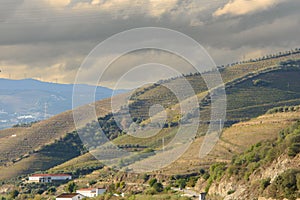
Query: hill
{"type": "Point", "coordinates": [23, 148]}
{"type": "Point", "coordinates": [24, 101]}
{"type": "Point", "coordinates": [253, 159]}
{"type": "Point", "coordinates": [268, 83]}
{"type": "Point", "coordinates": [269, 168]}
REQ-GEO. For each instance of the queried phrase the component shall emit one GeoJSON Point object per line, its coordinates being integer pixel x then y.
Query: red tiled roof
{"type": "Point", "coordinates": [86, 189]}
{"type": "Point", "coordinates": [36, 175]}
{"type": "Point", "coordinates": [67, 195]}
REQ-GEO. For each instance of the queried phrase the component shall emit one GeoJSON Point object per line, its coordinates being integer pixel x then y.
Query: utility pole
{"type": "Point", "coordinates": [45, 110]}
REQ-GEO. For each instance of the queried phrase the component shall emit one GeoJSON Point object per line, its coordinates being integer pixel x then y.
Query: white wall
{"type": "Point", "coordinates": [100, 191]}
{"type": "Point", "coordinates": [77, 197]}
{"type": "Point", "coordinates": [58, 178]}
{"type": "Point", "coordinates": [88, 193]}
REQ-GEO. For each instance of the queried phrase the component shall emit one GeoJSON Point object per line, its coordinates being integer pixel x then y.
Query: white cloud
{"type": "Point", "coordinates": [153, 8]}
{"type": "Point", "coordinates": [58, 3]}
{"type": "Point", "coordinates": [158, 7]}
{"type": "Point", "coordinates": [242, 7]}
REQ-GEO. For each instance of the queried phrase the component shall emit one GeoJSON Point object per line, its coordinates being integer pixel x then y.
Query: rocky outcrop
{"type": "Point", "coordinates": [229, 188]}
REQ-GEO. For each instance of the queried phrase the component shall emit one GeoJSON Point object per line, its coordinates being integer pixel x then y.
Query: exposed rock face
{"type": "Point", "coordinates": [241, 189]}
{"type": "Point", "coordinates": [281, 164]}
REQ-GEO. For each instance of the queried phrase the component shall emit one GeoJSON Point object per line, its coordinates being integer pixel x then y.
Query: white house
{"type": "Point", "coordinates": [91, 192]}
{"type": "Point", "coordinates": [48, 178]}
{"type": "Point", "coordinates": [70, 196]}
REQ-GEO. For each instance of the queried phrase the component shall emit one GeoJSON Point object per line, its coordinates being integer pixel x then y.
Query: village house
{"type": "Point", "coordinates": [70, 196]}
{"type": "Point", "coordinates": [48, 178]}
{"type": "Point", "coordinates": [91, 192]}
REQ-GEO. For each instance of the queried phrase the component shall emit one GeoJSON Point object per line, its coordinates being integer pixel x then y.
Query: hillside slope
{"type": "Point", "coordinates": [21, 145]}
{"type": "Point", "coordinates": [240, 142]}
{"type": "Point", "coordinates": [23, 148]}
{"type": "Point", "coordinates": [267, 169]}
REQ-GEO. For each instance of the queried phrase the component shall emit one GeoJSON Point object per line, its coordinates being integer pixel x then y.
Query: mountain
{"type": "Point", "coordinates": [29, 100]}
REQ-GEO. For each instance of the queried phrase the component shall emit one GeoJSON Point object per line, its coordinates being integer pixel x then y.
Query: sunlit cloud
{"type": "Point", "coordinates": [242, 7]}
{"type": "Point", "coordinates": [58, 3]}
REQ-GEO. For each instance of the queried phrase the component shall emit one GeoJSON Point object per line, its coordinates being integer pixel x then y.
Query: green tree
{"type": "Point", "coordinates": [71, 187]}
{"type": "Point", "coordinates": [152, 182]}
{"type": "Point", "coordinates": [145, 177]}
{"type": "Point", "coordinates": [13, 194]}
{"type": "Point", "coordinates": [51, 190]}
{"type": "Point", "coordinates": [181, 183]}
{"type": "Point", "coordinates": [158, 187]}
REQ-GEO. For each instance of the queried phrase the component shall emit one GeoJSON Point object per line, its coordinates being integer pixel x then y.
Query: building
{"type": "Point", "coordinates": [70, 196]}
{"type": "Point", "coordinates": [48, 178]}
{"type": "Point", "coordinates": [202, 196]}
{"type": "Point", "coordinates": [91, 192]}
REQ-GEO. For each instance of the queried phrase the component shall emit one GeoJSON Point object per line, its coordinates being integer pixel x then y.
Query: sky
{"type": "Point", "coordinates": [49, 39]}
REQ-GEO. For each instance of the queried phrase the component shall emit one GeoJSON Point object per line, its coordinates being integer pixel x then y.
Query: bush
{"type": "Point", "coordinates": [191, 182]}
{"type": "Point", "coordinates": [181, 183]}
{"type": "Point", "coordinates": [265, 183]}
{"type": "Point", "coordinates": [152, 182]}
{"type": "Point", "coordinates": [51, 190]}
{"type": "Point", "coordinates": [92, 182]}
{"type": "Point", "coordinates": [150, 191]}
{"type": "Point", "coordinates": [259, 82]}
{"type": "Point", "coordinates": [158, 187]}
{"type": "Point", "coordinates": [230, 192]}
{"type": "Point", "coordinates": [71, 187]}
{"type": "Point", "coordinates": [286, 185]}
{"type": "Point", "coordinates": [13, 194]}
{"type": "Point", "coordinates": [145, 177]}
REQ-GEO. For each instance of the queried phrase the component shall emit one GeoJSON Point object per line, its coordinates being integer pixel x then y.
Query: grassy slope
{"type": "Point", "coordinates": [234, 140]}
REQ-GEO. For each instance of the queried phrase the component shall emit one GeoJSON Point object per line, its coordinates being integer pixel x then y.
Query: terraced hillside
{"type": "Point", "coordinates": [21, 146]}
{"type": "Point", "coordinates": [28, 149]}
{"type": "Point", "coordinates": [248, 97]}
{"type": "Point", "coordinates": [235, 144]}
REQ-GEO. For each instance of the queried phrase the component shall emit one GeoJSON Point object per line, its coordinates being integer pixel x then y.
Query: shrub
{"type": "Point", "coordinates": [152, 182]}
{"type": "Point", "coordinates": [92, 182]}
{"type": "Point", "coordinates": [71, 187]}
{"type": "Point", "coordinates": [265, 183]}
{"type": "Point", "coordinates": [202, 171]}
{"type": "Point", "coordinates": [145, 177]}
{"type": "Point", "coordinates": [230, 192]}
{"type": "Point", "coordinates": [285, 185]}
{"type": "Point", "coordinates": [51, 190]}
{"type": "Point", "coordinates": [158, 187]}
{"type": "Point", "coordinates": [191, 182]}
{"type": "Point", "coordinates": [181, 183]}
{"type": "Point", "coordinates": [13, 194]}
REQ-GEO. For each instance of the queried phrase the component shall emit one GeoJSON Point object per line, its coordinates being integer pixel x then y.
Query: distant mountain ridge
{"type": "Point", "coordinates": [27, 100]}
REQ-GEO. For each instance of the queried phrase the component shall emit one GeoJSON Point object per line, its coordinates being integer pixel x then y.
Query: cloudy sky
{"type": "Point", "coordinates": [49, 39]}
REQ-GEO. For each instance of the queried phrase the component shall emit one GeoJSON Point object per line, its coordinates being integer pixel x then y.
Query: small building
{"type": "Point", "coordinates": [202, 196]}
{"type": "Point", "coordinates": [91, 192]}
{"type": "Point", "coordinates": [70, 196]}
{"type": "Point", "coordinates": [48, 178]}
